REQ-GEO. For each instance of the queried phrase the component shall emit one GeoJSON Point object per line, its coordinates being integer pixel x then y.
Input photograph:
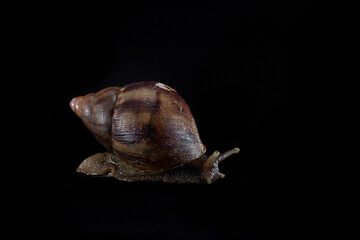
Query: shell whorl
{"type": "Point", "coordinates": [146, 124]}
{"type": "Point", "coordinates": [96, 111]}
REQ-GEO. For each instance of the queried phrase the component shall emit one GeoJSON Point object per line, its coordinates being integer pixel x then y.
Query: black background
{"type": "Point", "coordinates": [250, 73]}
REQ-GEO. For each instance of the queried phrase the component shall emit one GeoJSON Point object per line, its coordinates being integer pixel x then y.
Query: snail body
{"type": "Point", "coordinates": [149, 133]}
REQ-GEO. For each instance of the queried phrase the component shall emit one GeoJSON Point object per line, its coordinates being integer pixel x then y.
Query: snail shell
{"type": "Point", "coordinates": [147, 124]}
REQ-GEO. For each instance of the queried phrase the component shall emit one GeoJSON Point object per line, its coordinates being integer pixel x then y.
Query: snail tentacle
{"type": "Point", "coordinates": [227, 154]}
{"type": "Point", "coordinates": [210, 168]}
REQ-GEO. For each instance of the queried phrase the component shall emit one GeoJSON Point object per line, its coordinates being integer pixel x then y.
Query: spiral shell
{"type": "Point", "coordinates": [146, 124]}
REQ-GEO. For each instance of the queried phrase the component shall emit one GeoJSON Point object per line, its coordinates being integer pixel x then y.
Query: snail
{"type": "Point", "coordinates": [149, 133]}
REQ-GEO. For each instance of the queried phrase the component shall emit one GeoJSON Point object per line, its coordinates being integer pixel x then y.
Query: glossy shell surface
{"type": "Point", "coordinates": [146, 124]}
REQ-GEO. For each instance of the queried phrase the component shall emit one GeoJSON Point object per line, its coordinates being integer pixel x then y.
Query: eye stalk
{"type": "Point", "coordinates": [210, 168]}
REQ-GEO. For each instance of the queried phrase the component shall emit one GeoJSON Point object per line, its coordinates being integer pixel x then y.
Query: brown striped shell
{"type": "Point", "coordinates": [146, 124]}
